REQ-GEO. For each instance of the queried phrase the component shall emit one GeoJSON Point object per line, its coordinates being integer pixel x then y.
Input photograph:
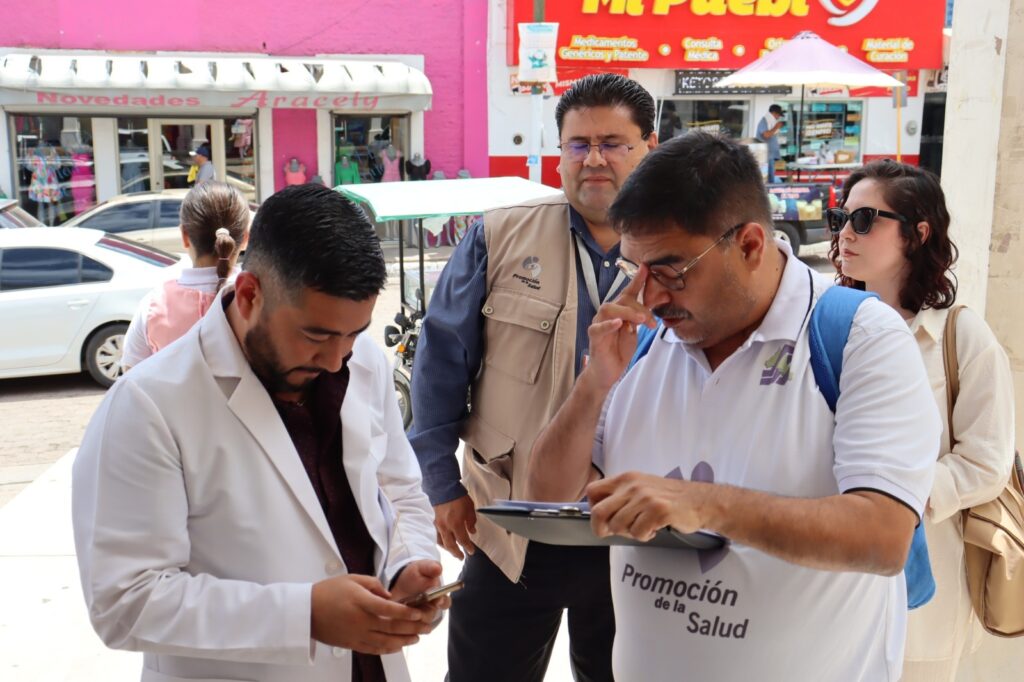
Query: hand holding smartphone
{"type": "Point", "coordinates": [424, 598]}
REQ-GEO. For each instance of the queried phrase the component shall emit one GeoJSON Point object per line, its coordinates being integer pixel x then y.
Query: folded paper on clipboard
{"type": "Point", "coordinates": [568, 523]}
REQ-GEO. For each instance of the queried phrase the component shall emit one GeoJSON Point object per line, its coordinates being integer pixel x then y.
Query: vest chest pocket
{"type": "Point", "coordinates": [517, 333]}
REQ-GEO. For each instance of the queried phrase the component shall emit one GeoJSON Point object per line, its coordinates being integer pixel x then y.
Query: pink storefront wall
{"type": "Point", "coordinates": [450, 34]}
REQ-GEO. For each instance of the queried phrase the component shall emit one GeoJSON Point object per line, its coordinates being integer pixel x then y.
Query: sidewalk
{"type": "Point", "coordinates": [45, 635]}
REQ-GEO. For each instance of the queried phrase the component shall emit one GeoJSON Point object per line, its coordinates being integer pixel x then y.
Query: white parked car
{"type": "Point", "coordinates": [152, 218]}
{"type": "Point", "coordinates": [67, 296]}
{"type": "Point", "coordinates": [12, 215]}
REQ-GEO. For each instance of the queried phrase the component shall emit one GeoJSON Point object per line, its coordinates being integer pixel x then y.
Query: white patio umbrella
{"type": "Point", "coordinates": [808, 60]}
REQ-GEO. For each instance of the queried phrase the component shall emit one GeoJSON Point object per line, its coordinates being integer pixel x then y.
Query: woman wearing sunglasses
{"type": "Point", "coordinates": [891, 237]}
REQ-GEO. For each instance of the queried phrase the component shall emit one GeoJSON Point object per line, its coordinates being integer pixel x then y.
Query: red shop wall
{"type": "Point", "coordinates": [515, 166]}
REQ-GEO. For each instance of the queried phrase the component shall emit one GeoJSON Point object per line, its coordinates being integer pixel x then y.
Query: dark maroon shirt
{"type": "Point", "coordinates": [315, 429]}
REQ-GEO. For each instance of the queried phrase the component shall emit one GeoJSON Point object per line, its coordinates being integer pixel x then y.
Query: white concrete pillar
{"type": "Point", "coordinates": [265, 152]}
{"type": "Point", "coordinates": [105, 158]}
{"type": "Point", "coordinates": [982, 173]}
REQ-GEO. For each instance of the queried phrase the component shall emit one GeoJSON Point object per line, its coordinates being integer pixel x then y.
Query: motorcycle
{"type": "Point", "coordinates": [403, 338]}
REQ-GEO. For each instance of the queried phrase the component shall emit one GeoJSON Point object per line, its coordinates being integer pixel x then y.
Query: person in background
{"type": "Point", "coordinates": [891, 236]}
{"type": "Point", "coordinates": [508, 319]}
{"type": "Point", "coordinates": [206, 172]}
{"type": "Point", "coordinates": [214, 228]}
{"type": "Point", "coordinates": [768, 132]}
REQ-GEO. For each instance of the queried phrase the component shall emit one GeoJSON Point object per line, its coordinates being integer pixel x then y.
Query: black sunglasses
{"type": "Point", "coordinates": [862, 219]}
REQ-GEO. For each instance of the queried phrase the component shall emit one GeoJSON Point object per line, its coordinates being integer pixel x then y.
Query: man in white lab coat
{"type": "Point", "coordinates": [246, 505]}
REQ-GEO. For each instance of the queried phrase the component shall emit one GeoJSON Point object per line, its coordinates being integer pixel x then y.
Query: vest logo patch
{"type": "Point", "coordinates": [776, 369]}
{"type": "Point", "coordinates": [531, 264]}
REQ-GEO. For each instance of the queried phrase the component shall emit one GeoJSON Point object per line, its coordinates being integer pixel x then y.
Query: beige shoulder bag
{"type": "Point", "coordinates": [994, 531]}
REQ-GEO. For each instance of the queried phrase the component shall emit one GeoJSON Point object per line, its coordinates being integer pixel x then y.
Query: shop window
{"type": "Point", "coordinates": [831, 132]}
{"type": "Point", "coordinates": [370, 148]}
{"type": "Point", "coordinates": [133, 155]}
{"type": "Point", "coordinates": [55, 178]}
{"type": "Point", "coordinates": [720, 117]}
{"type": "Point", "coordinates": [240, 156]}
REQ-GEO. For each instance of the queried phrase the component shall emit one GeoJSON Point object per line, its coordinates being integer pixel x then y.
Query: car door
{"type": "Point", "coordinates": [167, 234]}
{"type": "Point", "coordinates": [131, 220]}
{"type": "Point", "coordinates": [44, 300]}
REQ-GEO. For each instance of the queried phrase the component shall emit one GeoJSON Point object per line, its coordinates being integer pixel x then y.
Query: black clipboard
{"type": "Point", "coordinates": [568, 523]}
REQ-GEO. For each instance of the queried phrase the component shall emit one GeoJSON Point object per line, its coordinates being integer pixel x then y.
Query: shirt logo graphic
{"type": "Point", "coordinates": [847, 12]}
{"type": "Point", "coordinates": [776, 369]}
{"type": "Point", "coordinates": [703, 473]}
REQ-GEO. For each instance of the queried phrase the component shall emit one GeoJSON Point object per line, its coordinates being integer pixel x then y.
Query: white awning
{"type": "Point", "coordinates": [433, 198]}
{"type": "Point", "coordinates": [319, 78]}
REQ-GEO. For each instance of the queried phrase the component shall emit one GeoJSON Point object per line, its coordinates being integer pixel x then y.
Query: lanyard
{"type": "Point", "coordinates": [591, 279]}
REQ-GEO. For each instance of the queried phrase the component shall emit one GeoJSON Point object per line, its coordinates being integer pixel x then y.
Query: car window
{"type": "Point", "coordinates": [30, 268]}
{"type": "Point", "coordinates": [95, 271]}
{"type": "Point", "coordinates": [121, 218]}
{"type": "Point", "coordinates": [170, 214]}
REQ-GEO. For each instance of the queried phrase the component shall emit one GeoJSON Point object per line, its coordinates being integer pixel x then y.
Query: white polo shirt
{"type": "Point", "coordinates": [759, 421]}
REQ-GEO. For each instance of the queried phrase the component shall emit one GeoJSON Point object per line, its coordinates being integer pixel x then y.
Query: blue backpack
{"type": "Point", "coordinates": [829, 329]}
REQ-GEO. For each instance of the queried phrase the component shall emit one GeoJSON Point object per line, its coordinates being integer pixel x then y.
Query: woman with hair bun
{"type": "Point", "coordinates": [891, 237]}
{"type": "Point", "coordinates": [214, 228]}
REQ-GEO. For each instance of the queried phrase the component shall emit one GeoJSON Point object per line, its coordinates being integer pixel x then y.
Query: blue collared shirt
{"type": "Point", "coordinates": [450, 350]}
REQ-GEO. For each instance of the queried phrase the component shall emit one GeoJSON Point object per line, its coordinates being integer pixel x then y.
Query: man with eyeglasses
{"type": "Point", "coordinates": [508, 321]}
{"type": "Point", "coordinates": [722, 426]}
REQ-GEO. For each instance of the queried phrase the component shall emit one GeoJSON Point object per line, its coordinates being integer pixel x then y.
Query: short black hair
{"type": "Point", "coordinates": [609, 90]}
{"type": "Point", "coordinates": [311, 237]}
{"type": "Point", "coordinates": [700, 183]}
{"type": "Point", "coordinates": [775, 109]}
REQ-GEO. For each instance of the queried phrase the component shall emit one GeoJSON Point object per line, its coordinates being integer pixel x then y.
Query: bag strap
{"type": "Point", "coordinates": [952, 366]}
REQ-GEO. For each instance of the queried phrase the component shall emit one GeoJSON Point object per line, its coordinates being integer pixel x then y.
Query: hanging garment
{"type": "Point", "coordinates": [417, 171]}
{"type": "Point", "coordinates": [347, 174]}
{"type": "Point", "coordinates": [294, 177]}
{"type": "Point", "coordinates": [83, 182]}
{"type": "Point", "coordinates": [392, 167]}
{"type": "Point", "coordinates": [44, 187]}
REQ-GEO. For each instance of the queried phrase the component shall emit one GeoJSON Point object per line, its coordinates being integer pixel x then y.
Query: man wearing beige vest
{"type": "Point", "coordinates": [508, 322]}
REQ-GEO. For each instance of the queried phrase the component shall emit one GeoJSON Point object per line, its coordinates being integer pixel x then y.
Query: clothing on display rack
{"type": "Point", "coordinates": [346, 172]}
{"type": "Point", "coordinates": [391, 159]}
{"type": "Point", "coordinates": [294, 173]}
{"type": "Point", "coordinates": [241, 135]}
{"type": "Point", "coordinates": [417, 168]}
{"type": "Point", "coordinates": [83, 180]}
{"type": "Point", "coordinates": [44, 188]}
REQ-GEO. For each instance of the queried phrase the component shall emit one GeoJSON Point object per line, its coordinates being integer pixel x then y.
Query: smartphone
{"type": "Point", "coordinates": [430, 595]}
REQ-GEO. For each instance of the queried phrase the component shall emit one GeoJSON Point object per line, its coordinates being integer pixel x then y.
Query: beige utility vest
{"type": "Point", "coordinates": [528, 366]}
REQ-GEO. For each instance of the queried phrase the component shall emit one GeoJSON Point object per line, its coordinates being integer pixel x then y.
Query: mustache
{"type": "Point", "coordinates": [671, 312]}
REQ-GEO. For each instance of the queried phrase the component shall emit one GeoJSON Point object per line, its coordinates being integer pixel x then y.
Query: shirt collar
{"type": "Point", "coordinates": [579, 226]}
{"type": "Point", "coordinates": [931, 321]}
{"type": "Point", "coordinates": [190, 277]}
{"type": "Point", "coordinates": [788, 310]}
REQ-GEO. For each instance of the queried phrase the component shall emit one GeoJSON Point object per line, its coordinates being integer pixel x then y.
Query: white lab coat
{"type": "Point", "coordinates": [197, 530]}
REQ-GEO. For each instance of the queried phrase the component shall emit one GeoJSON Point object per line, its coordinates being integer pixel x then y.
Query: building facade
{"type": "Point", "coordinates": [678, 48]}
{"type": "Point", "coordinates": [96, 102]}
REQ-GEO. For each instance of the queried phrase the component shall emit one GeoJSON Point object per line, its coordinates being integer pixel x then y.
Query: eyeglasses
{"type": "Point", "coordinates": [578, 151]}
{"type": "Point", "coordinates": [666, 275]}
{"type": "Point", "coordinates": [862, 219]}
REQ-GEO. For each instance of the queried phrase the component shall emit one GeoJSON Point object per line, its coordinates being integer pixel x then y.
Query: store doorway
{"type": "Point", "coordinates": [177, 141]}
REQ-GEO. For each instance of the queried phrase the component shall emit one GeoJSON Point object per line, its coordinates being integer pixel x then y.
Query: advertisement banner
{"type": "Point", "coordinates": [537, 45]}
{"type": "Point", "coordinates": [793, 202]}
{"type": "Point", "coordinates": [729, 34]}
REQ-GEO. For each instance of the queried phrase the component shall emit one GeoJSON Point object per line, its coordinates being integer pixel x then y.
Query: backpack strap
{"type": "Point", "coordinates": [951, 365]}
{"type": "Point", "coordinates": [645, 337]}
{"type": "Point", "coordinates": [829, 329]}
